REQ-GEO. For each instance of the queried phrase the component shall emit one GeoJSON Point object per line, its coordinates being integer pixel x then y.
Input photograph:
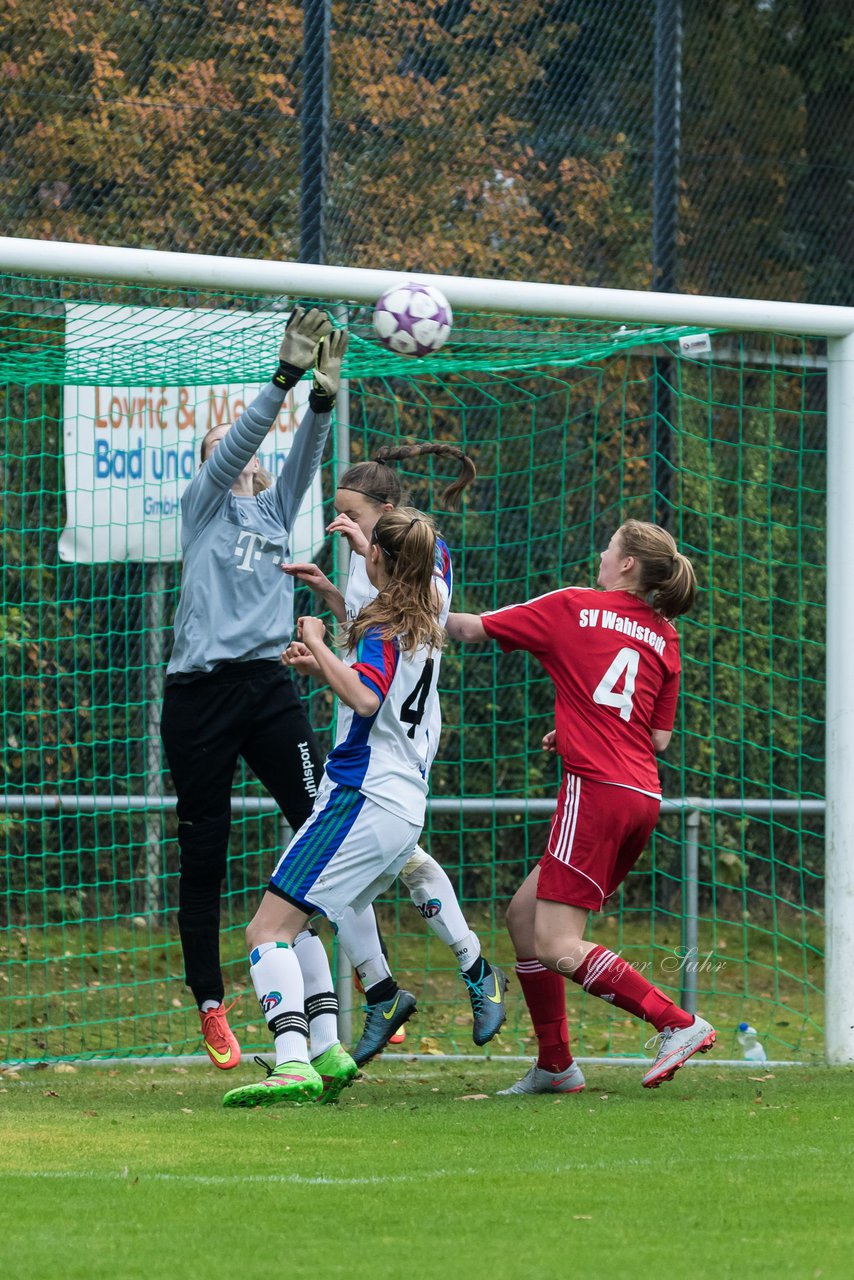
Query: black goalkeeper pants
{"type": "Point", "coordinates": [248, 709]}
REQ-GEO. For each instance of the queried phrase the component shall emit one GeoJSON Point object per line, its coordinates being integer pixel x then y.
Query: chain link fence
{"type": "Point", "coordinates": [516, 138]}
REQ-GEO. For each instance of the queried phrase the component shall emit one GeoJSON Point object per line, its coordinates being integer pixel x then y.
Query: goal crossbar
{"type": "Point", "coordinates": [253, 275]}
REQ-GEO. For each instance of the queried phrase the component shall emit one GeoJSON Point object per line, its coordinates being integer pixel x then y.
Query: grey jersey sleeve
{"type": "Point", "coordinates": [301, 464]}
{"type": "Point", "coordinates": [225, 463]}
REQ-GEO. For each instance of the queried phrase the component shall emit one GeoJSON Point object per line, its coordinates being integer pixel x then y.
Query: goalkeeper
{"type": "Point", "coordinates": [227, 694]}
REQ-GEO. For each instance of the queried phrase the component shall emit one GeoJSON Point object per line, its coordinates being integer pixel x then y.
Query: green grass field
{"type": "Point", "coordinates": [105, 990]}
{"type": "Point", "coordinates": [138, 1172]}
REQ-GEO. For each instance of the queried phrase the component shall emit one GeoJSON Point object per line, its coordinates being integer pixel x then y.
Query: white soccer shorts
{"type": "Point", "coordinates": [347, 852]}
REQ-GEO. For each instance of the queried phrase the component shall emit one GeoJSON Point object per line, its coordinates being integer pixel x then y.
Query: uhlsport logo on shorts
{"type": "Point", "coordinates": [307, 769]}
{"type": "Point", "coordinates": [429, 909]}
{"type": "Point", "coordinates": [270, 1000]}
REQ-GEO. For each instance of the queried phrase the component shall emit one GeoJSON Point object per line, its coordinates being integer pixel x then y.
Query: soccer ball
{"type": "Point", "coordinates": [413, 319]}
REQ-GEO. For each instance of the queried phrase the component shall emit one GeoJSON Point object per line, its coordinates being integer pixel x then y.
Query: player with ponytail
{"type": "Point", "coordinates": [371, 804]}
{"type": "Point", "coordinates": [365, 491]}
{"type": "Point", "coordinates": [613, 655]}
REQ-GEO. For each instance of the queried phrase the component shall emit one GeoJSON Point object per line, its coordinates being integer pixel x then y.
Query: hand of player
{"type": "Point", "coordinates": [309, 574]}
{"type": "Point", "coordinates": [304, 331]}
{"type": "Point", "coordinates": [550, 741]}
{"type": "Point", "coordinates": [327, 367]}
{"type": "Point", "coordinates": [310, 630]}
{"type": "Point", "coordinates": [301, 659]}
{"type": "Point", "coordinates": [351, 531]}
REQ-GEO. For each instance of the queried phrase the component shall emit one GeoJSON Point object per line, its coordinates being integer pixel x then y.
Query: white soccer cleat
{"type": "Point", "coordinates": [676, 1047]}
{"type": "Point", "coordinates": [538, 1080]}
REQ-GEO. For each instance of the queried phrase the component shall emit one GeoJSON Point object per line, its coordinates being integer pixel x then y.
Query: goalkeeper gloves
{"type": "Point", "coordinates": [298, 351]}
{"type": "Point", "coordinates": [310, 340]}
{"type": "Point", "coordinates": [327, 371]}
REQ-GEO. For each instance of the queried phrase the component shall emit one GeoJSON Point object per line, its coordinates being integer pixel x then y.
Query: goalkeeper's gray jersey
{"type": "Point", "coordinates": [236, 605]}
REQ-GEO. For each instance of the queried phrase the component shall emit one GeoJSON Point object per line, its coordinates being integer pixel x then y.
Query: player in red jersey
{"type": "Point", "coordinates": [614, 659]}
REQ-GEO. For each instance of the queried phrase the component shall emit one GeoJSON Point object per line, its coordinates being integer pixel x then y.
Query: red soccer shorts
{"type": "Point", "coordinates": [597, 835]}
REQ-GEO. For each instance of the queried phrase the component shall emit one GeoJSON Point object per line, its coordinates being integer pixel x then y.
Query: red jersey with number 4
{"type": "Point", "coordinates": [615, 665]}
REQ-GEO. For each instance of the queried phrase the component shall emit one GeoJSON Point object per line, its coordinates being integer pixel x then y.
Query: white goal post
{"type": "Point", "coordinates": [836, 324]}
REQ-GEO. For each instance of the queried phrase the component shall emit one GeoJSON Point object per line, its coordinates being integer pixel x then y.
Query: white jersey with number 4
{"type": "Point", "coordinates": [386, 756]}
{"type": "Point", "coordinates": [360, 591]}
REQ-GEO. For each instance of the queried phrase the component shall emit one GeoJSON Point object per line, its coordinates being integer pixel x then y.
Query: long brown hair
{"type": "Point", "coordinates": [377, 480]}
{"type": "Point", "coordinates": [406, 608]}
{"type": "Point", "coordinates": [261, 479]}
{"type": "Point", "coordinates": [666, 576]}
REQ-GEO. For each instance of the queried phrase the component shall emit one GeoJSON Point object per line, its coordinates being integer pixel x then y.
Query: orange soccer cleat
{"type": "Point", "coordinates": [218, 1037]}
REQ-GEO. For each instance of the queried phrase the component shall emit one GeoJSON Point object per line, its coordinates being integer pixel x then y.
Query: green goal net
{"type": "Point", "coordinates": [574, 426]}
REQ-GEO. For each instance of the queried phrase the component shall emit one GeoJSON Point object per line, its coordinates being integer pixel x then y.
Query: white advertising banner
{"type": "Point", "coordinates": [131, 451]}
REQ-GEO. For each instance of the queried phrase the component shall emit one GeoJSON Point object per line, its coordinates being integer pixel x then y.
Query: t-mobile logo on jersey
{"type": "Point", "coordinates": [247, 547]}
{"type": "Point", "coordinates": [307, 769]}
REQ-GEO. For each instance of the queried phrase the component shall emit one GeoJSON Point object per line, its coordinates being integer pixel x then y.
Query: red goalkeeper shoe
{"type": "Point", "coordinates": [218, 1038]}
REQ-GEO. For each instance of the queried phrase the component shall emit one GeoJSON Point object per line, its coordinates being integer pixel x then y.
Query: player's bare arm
{"type": "Point", "coordinates": [317, 581]}
{"type": "Point", "coordinates": [466, 627]}
{"type": "Point", "coordinates": [343, 524]}
{"type": "Point", "coordinates": [342, 680]}
{"type": "Point", "coordinates": [301, 660]}
{"type": "Point", "coordinates": [660, 739]}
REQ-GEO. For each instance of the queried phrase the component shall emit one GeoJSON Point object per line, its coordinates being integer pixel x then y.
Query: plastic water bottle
{"type": "Point", "coordinates": [750, 1047]}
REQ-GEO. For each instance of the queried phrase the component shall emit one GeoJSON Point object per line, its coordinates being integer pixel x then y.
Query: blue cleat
{"type": "Point", "coordinates": [383, 1020]}
{"type": "Point", "coordinates": [487, 1003]}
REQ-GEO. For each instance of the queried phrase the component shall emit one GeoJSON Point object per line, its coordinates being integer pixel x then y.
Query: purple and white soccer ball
{"type": "Point", "coordinates": [413, 319]}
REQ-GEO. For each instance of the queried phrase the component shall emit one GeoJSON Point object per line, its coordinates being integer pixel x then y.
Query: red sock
{"type": "Point", "coordinates": [606, 975]}
{"type": "Point", "coordinates": [545, 996]}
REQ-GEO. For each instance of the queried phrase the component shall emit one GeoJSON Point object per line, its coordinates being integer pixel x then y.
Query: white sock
{"type": "Point", "coordinates": [375, 969]}
{"type": "Point", "coordinates": [210, 1004]}
{"type": "Point", "coordinates": [321, 1003]}
{"type": "Point", "coordinates": [359, 936]}
{"type": "Point", "coordinates": [467, 951]}
{"type": "Point", "coordinates": [435, 900]}
{"type": "Point", "coordinates": [277, 979]}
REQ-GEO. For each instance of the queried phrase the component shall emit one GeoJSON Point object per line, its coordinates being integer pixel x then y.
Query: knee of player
{"type": "Point", "coordinates": [563, 955]}
{"type": "Point", "coordinates": [204, 847]}
{"type": "Point", "coordinates": [415, 868]}
{"type": "Point", "coordinates": [254, 936]}
{"type": "Point", "coordinates": [202, 870]}
{"type": "Point", "coordinates": [514, 916]}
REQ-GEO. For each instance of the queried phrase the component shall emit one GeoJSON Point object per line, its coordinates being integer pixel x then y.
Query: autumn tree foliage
{"type": "Point", "coordinates": [165, 125]}
{"type": "Point", "coordinates": [510, 138]}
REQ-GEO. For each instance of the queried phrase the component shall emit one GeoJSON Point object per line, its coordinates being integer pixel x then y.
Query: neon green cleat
{"type": "Point", "coordinates": [287, 1082]}
{"type": "Point", "coordinates": [337, 1070]}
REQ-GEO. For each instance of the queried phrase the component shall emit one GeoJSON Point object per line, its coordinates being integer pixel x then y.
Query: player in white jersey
{"type": "Point", "coordinates": [371, 804]}
{"type": "Point", "coordinates": [364, 492]}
